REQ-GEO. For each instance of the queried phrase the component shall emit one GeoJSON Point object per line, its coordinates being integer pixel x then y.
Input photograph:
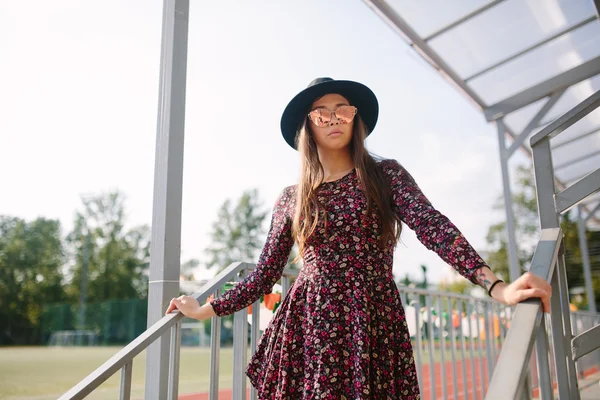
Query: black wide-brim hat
{"type": "Point", "coordinates": [298, 108]}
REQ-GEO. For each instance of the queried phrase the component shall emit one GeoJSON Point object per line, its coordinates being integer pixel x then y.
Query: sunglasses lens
{"type": "Point", "coordinates": [345, 114]}
{"type": "Point", "coordinates": [320, 117]}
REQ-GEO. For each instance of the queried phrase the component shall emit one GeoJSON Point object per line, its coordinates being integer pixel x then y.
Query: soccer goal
{"type": "Point", "coordinates": [73, 338]}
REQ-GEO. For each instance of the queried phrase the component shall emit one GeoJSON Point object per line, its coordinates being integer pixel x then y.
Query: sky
{"type": "Point", "coordinates": [79, 84]}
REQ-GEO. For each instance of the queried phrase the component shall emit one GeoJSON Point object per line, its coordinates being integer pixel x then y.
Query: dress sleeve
{"type": "Point", "coordinates": [271, 262]}
{"type": "Point", "coordinates": [432, 228]}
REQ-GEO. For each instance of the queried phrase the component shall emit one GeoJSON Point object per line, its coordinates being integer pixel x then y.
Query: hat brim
{"type": "Point", "coordinates": [298, 108]}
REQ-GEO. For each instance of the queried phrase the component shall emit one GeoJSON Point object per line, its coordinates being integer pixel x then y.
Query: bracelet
{"type": "Point", "coordinates": [492, 287]}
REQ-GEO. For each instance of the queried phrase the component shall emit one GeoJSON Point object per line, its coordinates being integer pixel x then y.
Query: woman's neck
{"type": "Point", "coordinates": [335, 164]}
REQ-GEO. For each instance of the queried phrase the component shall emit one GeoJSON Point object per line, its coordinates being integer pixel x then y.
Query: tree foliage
{"type": "Point", "coordinates": [117, 258]}
{"type": "Point", "coordinates": [38, 267]}
{"type": "Point", "coordinates": [31, 258]}
{"type": "Point", "coordinates": [238, 233]}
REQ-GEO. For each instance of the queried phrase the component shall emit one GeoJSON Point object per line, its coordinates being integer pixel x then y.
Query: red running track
{"type": "Point", "coordinates": [472, 384]}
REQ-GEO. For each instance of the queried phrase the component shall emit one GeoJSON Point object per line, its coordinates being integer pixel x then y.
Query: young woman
{"type": "Point", "coordinates": [341, 332]}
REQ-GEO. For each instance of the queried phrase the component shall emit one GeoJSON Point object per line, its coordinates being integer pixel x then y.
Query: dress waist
{"type": "Point", "coordinates": [312, 272]}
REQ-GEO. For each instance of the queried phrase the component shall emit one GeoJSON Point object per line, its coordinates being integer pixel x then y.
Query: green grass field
{"type": "Point", "coordinates": [44, 373]}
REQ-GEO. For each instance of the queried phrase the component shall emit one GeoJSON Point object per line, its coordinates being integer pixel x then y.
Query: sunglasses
{"type": "Point", "coordinates": [322, 117]}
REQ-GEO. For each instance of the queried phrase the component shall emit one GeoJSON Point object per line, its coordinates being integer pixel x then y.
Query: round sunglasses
{"type": "Point", "coordinates": [322, 117]}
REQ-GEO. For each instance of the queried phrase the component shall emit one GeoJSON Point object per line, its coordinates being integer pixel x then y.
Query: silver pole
{"type": "Point", "coordinates": [240, 349]}
{"type": "Point", "coordinates": [453, 344]}
{"type": "Point", "coordinates": [489, 334]}
{"type": "Point", "coordinates": [561, 271]}
{"type": "Point", "coordinates": [462, 350]}
{"type": "Point", "coordinates": [215, 354]}
{"type": "Point", "coordinates": [480, 350]}
{"type": "Point", "coordinates": [442, 341]}
{"type": "Point", "coordinates": [585, 258]}
{"type": "Point", "coordinates": [428, 304]}
{"type": "Point", "coordinates": [471, 351]}
{"type": "Point", "coordinates": [419, 346]}
{"type": "Point", "coordinates": [543, 365]}
{"type": "Point", "coordinates": [254, 337]}
{"type": "Point", "coordinates": [168, 179]}
{"type": "Point", "coordinates": [174, 361]}
{"type": "Point", "coordinates": [513, 259]}
{"type": "Point", "coordinates": [125, 389]}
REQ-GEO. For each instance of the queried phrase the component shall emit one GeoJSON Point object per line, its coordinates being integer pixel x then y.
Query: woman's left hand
{"type": "Point", "coordinates": [528, 285]}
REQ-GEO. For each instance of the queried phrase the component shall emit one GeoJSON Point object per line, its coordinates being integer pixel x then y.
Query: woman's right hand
{"type": "Point", "coordinates": [190, 307]}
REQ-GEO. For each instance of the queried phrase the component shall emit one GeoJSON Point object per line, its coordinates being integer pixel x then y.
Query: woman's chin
{"type": "Point", "coordinates": [335, 144]}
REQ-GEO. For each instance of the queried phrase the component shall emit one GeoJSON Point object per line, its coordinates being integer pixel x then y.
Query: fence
{"type": "Point", "coordinates": [114, 321]}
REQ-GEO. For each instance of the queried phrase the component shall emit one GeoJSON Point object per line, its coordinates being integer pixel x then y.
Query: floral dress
{"type": "Point", "coordinates": [341, 332]}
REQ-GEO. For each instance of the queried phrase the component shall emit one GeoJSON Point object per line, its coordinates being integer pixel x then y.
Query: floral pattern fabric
{"type": "Point", "coordinates": [341, 332]}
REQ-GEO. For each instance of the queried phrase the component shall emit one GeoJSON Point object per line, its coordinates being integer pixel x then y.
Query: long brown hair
{"type": "Point", "coordinates": [371, 178]}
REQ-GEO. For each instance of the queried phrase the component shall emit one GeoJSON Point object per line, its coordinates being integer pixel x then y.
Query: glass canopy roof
{"type": "Point", "coordinates": [511, 57]}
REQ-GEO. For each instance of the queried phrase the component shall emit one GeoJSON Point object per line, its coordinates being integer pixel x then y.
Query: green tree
{"type": "Point", "coordinates": [117, 258]}
{"type": "Point", "coordinates": [237, 234]}
{"type": "Point", "coordinates": [31, 258]}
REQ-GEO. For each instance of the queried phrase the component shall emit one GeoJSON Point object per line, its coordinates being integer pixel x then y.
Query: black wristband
{"type": "Point", "coordinates": [492, 287]}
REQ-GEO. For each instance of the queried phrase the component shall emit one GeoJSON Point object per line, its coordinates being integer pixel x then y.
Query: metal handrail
{"type": "Point", "coordinates": [567, 119]}
{"type": "Point", "coordinates": [510, 371]}
{"type": "Point", "coordinates": [124, 358]}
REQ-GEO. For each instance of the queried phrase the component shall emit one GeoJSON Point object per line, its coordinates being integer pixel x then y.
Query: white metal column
{"type": "Point", "coordinates": [513, 259]}
{"type": "Point", "coordinates": [168, 179]}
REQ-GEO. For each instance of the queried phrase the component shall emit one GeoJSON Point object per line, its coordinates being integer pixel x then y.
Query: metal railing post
{"type": "Point", "coordinates": [240, 349]}
{"type": "Point", "coordinates": [215, 343]}
{"type": "Point", "coordinates": [419, 345]}
{"type": "Point", "coordinates": [565, 315]}
{"type": "Point", "coordinates": [442, 342]}
{"type": "Point", "coordinates": [462, 348]}
{"type": "Point", "coordinates": [472, 353]}
{"type": "Point", "coordinates": [543, 366]}
{"type": "Point", "coordinates": [480, 348]}
{"type": "Point", "coordinates": [254, 336]}
{"type": "Point", "coordinates": [430, 342]}
{"type": "Point", "coordinates": [125, 389]}
{"type": "Point", "coordinates": [174, 361]}
{"type": "Point", "coordinates": [488, 328]}
{"type": "Point", "coordinates": [453, 344]}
